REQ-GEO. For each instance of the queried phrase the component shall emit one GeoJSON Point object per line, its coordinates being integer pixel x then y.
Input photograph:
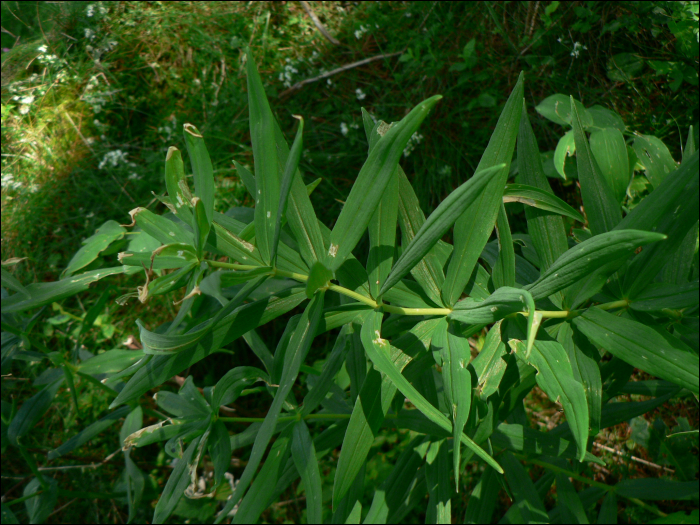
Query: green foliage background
{"type": "Point", "coordinates": [93, 94]}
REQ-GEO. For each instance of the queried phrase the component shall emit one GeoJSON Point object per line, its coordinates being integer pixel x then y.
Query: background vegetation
{"type": "Point", "coordinates": [93, 94]}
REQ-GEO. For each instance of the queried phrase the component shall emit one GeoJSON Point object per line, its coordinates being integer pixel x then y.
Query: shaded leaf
{"type": "Point", "coordinates": [304, 456]}
{"type": "Point", "coordinates": [536, 197]}
{"type": "Point", "coordinates": [105, 235]}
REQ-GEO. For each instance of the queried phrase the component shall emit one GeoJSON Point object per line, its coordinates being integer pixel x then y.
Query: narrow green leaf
{"type": "Point", "coordinates": [653, 154]}
{"type": "Point", "coordinates": [304, 456]}
{"type": "Point", "coordinates": [319, 278]}
{"type": "Point", "coordinates": [220, 450]}
{"type": "Point", "coordinates": [88, 433]}
{"type": "Point", "coordinates": [601, 206]}
{"type": "Point", "coordinates": [105, 235]}
{"type": "Point", "coordinates": [589, 256]}
{"type": "Point", "coordinates": [230, 386]}
{"type": "Point", "coordinates": [440, 221]}
{"type": "Point", "coordinates": [160, 368]}
{"type": "Point", "coordinates": [679, 268]}
{"type": "Point", "coordinates": [31, 412]}
{"type": "Point", "coordinates": [428, 271]}
{"type": "Point", "coordinates": [40, 507]}
{"type": "Point", "coordinates": [608, 510]}
{"type": "Point", "coordinates": [527, 500]}
{"type": "Point", "coordinates": [167, 256]}
{"type": "Point", "coordinates": [10, 282]}
{"type": "Point", "coordinates": [501, 303]}
{"type": "Point", "coordinates": [489, 365]}
{"type": "Point", "coordinates": [9, 517]}
{"type": "Point", "coordinates": [437, 471]}
{"type": "Point", "coordinates": [504, 269]}
{"type": "Point", "coordinates": [569, 502]}
{"type": "Point", "coordinates": [606, 118]}
{"type": "Point", "coordinates": [378, 350]}
{"type": "Point", "coordinates": [689, 146]}
{"type": "Point", "coordinates": [546, 230]}
{"type": "Point", "coordinates": [201, 169]}
{"type": "Point", "coordinates": [262, 136]}
{"type": "Point", "coordinates": [178, 481]}
{"type": "Point", "coordinates": [247, 177]}
{"type": "Point", "coordinates": [259, 348]}
{"type": "Point", "coordinates": [290, 170]}
{"type": "Point", "coordinates": [610, 152]}
{"type": "Point", "coordinates": [176, 184]}
{"type": "Point", "coordinates": [657, 489]}
{"type": "Point", "coordinates": [382, 236]}
{"type": "Point", "coordinates": [294, 357]}
{"type": "Point", "coordinates": [156, 343]}
{"type": "Point", "coordinates": [201, 225]}
{"type": "Point", "coordinates": [456, 354]}
{"type": "Point", "coordinates": [656, 352]}
{"type": "Point", "coordinates": [555, 377]}
{"type": "Point", "coordinates": [661, 296]}
{"type": "Point", "coordinates": [523, 439]}
{"type": "Point", "coordinates": [160, 228]}
{"type": "Point", "coordinates": [584, 363]}
{"type": "Point", "coordinates": [371, 183]}
{"type": "Point", "coordinates": [483, 498]}
{"type": "Point", "coordinates": [474, 226]}
{"type": "Point", "coordinates": [110, 361]}
{"type": "Point", "coordinates": [300, 213]}
{"type": "Point", "coordinates": [540, 198]}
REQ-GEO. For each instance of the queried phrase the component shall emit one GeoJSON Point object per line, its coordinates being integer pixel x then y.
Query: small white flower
{"type": "Point", "coordinates": [89, 33]}
{"type": "Point", "coordinates": [23, 110]}
{"type": "Point", "coordinates": [329, 82]}
{"type": "Point", "coordinates": [344, 129]}
{"type": "Point", "coordinates": [42, 49]}
{"type": "Point", "coordinates": [90, 11]}
{"type": "Point", "coordinates": [360, 94]}
{"type": "Point", "coordinates": [90, 215]}
{"type": "Point", "coordinates": [27, 100]}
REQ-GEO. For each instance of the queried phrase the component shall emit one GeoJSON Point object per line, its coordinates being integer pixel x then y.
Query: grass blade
{"type": "Point", "coordinates": [474, 226]}
{"type": "Point", "coordinates": [439, 222]}
{"type": "Point", "coordinates": [602, 208]}
{"type": "Point", "coordinates": [371, 183]}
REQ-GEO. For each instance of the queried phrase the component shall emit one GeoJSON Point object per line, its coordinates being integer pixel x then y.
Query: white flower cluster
{"type": "Point", "coordinates": [577, 49]}
{"type": "Point", "coordinates": [344, 129]}
{"type": "Point", "coordinates": [361, 31]}
{"type": "Point", "coordinates": [360, 94]}
{"type": "Point", "coordinates": [445, 171]}
{"type": "Point", "coordinates": [113, 159]}
{"type": "Point", "coordinates": [286, 76]}
{"type": "Point", "coordinates": [90, 10]}
{"type": "Point", "coordinates": [415, 139]}
{"type": "Point", "coordinates": [8, 182]}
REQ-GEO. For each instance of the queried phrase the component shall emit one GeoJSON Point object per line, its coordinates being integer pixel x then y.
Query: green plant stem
{"type": "Point", "coordinates": [29, 458]}
{"type": "Point", "coordinates": [23, 498]}
{"type": "Point", "coordinates": [230, 266]}
{"type": "Point", "coordinates": [622, 303]}
{"type": "Point", "coordinates": [593, 483]}
{"type": "Point", "coordinates": [416, 311]}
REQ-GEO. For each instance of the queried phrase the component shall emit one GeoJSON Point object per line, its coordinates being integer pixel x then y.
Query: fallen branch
{"type": "Point", "coordinates": [318, 23]}
{"type": "Point", "coordinates": [299, 85]}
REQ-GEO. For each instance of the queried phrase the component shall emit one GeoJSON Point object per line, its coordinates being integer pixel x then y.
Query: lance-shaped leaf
{"type": "Point", "coordinates": [300, 213]}
{"type": "Point", "coordinates": [371, 183]}
{"type": "Point", "coordinates": [262, 136]}
{"type": "Point", "coordinates": [40, 507]}
{"type": "Point", "coordinates": [569, 501]}
{"type": "Point", "coordinates": [557, 108]}
{"type": "Point", "coordinates": [155, 343]}
{"type": "Point", "coordinates": [689, 146]}
{"type": "Point", "coordinates": [176, 184]}
{"type": "Point", "coordinates": [229, 387]}
{"type": "Point", "coordinates": [378, 350]}
{"type": "Point", "coordinates": [584, 357]}
{"type": "Point", "coordinates": [653, 154]}
{"type": "Point", "coordinates": [32, 411]}
{"type": "Point", "coordinates": [319, 278]}
{"type": "Point", "coordinates": [160, 228]}
{"type": "Point", "coordinates": [382, 236]}
{"type": "Point", "coordinates": [657, 489]}
{"type": "Point", "coordinates": [294, 357]}
{"type": "Point", "coordinates": [202, 169]}
{"type": "Point", "coordinates": [89, 432]}
{"type": "Point", "coordinates": [489, 365]}
{"type": "Point", "coordinates": [290, 170]}
{"type": "Point", "coordinates": [504, 268]}
{"type": "Point", "coordinates": [436, 472]}
{"type": "Point", "coordinates": [483, 498]}
{"type": "Point", "coordinates": [46, 293]}
{"type": "Point", "coordinates": [660, 296]}
{"type": "Point", "coordinates": [167, 256]}
{"type": "Point", "coordinates": [501, 303]}
{"type": "Point", "coordinates": [439, 222]}
{"type": "Point", "coordinates": [556, 378]}
{"type": "Point", "coordinates": [178, 481]}
{"type": "Point", "coordinates": [201, 225]}
{"type": "Point", "coordinates": [546, 229]}
{"type": "Point", "coordinates": [247, 177]}
{"type": "Point", "coordinates": [455, 353]}
{"type": "Point", "coordinates": [589, 256]}
{"type": "Point", "coordinates": [566, 147]}
{"type": "Point", "coordinates": [304, 455]}
{"type": "Point", "coordinates": [610, 152]}
{"type": "Point", "coordinates": [540, 198]}
{"type": "Point", "coordinates": [602, 208]}
{"type": "Point", "coordinates": [220, 450]}
{"type": "Point", "coordinates": [105, 235]}
{"type": "Point", "coordinates": [527, 501]}
{"type": "Point", "coordinates": [428, 271]}
{"type": "Point", "coordinates": [656, 352]}
{"type": "Point", "coordinates": [474, 226]}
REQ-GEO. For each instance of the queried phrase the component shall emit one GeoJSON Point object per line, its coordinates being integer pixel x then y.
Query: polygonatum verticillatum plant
{"type": "Point", "coordinates": [441, 341]}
